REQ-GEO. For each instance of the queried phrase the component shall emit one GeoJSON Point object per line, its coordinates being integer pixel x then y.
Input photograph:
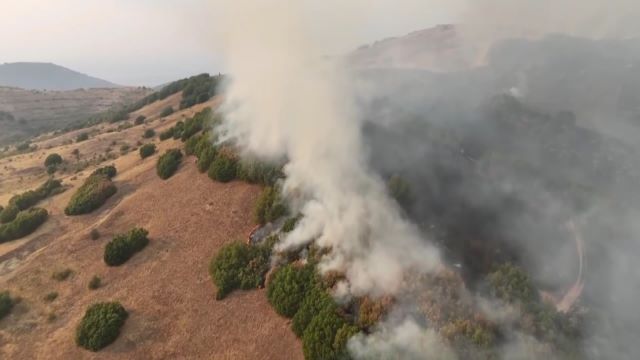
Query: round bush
{"type": "Point", "coordinates": [326, 336]}
{"type": "Point", "coordinates": [53, 160]}
{"type": "Point", "coordinates": [223, 168]}
{"type": "Point", "coordinates": [147, 150]}
{"type": "Point", "coordinates": [289, 287]}
{"type": "Point", "coordinates": [239, 265]}
{"type": "Point", "coordinates": [100, 325]}
{"type": "Point", "coordinates": [9, 213]}
{"type": "Point", "coordinates": [108, 171]}
{"type": "Point", "coordinates": [168, 163]}
{"type": "Point", "coordinates": [269, 206]}
{"type": "Point", "coordinates": [149, 133]}
{"type": "Point", "coordinates": [140, 120]}
{"type": "Point", "coordinates": [124, 246]}
{"type": "Point", "coordinates": [24, 224]}
{"type": "Point", "coordinates": [316, 300]}
{"type": "Point", "coordinates": [6, 303]}
{"type": "Point", "coordinates": [91, 195]}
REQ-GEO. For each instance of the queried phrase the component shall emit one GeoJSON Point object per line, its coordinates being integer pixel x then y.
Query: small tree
{"type": "Point", "coordinates": [168, 163]}
{"type": "Point", "coordinates": [239, 265]}
{"type": "Point", "coordinates": [140, 120]}
{"type": "Point", "coordinates": [82, 137]}
{"type": "Point", "coordinates": [223, 167]}
{"type": "Point", "coordinates": [289, 287]}
{"type": "Point", "coordinates": [166, 111]}
{"type": "Point", "coordinates": [124, 246]}
{"type": "Point", "coordinates": [269, 206]}
{"type": "Point", "coordinates": [147, 150]}
{"type": "Point", "coordinates": [149, 133]}
{"type": "Point", "coordinates": [53, 160]}
{"type": "Point", "coordinates": [6, 303]}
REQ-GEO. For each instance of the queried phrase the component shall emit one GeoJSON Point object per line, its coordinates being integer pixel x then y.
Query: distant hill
{"type": "Point", "coordinates": [47, 76]}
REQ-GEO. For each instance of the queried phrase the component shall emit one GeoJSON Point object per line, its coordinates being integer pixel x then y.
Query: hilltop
{"type": "Point", "coordinates": [47, 76]}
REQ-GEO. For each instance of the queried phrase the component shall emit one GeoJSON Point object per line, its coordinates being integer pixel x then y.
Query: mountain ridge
{"type": "Point", "coordinates": [47, 76]}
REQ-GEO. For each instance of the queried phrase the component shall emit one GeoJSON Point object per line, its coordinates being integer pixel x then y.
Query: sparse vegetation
{"type": "Point", "coordinates": [108, 171]}
{"type": "Point", "coordinates": [51, 296]}
{"type": "Point", "coordinates": [270, 206]}
{"type": "Point", "coordinates": [124, 246]}
{"type": "Point", "coordinates": [6, 304]}
{"type": "Point", "coordinates": [239, 266]}
{"type": "Point", "coordinates": [93, 193]}
{"type": "Point", "coordinates": [140, 120]}
{"type": "Point", "coordinates": [82, 137]}
{"type": "Point", "coordinates": [95, 283]}
{"type": "Point", "coordinates": [100, 325]}
{"type": "Point", "coordinates": [62, 275]}
{"type": "Point", "coordinates": [147, 150]}
{"type": "Point", "coordinates": [168, 163]}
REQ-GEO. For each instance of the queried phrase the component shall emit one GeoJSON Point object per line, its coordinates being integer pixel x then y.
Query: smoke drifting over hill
{"type": "Point", "coordinates": [499, 159]}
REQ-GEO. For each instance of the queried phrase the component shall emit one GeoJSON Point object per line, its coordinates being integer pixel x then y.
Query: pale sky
{"type": "Point", "coordinates": [149, 42]}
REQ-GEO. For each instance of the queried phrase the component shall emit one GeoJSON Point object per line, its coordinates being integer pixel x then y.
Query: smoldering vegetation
{"type": "Point", "coordinates": [500, 161]}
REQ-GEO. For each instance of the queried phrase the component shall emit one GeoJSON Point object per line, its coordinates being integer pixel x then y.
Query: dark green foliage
{"type": "Point", "coordinates": [223, 168]}
{"type": "Point", "coordinates": [205, 158]}
{"type": "Point", "coordinates": [9, 213]}
{"type": "Point", "coordinates": [91, 195]}
{"type": "Point", "coordinates": [166, 111]}
{"type": "Point", "coordinates": [51, 169]}
{"type": "Point", "coordinates": [147, 150]}
{"type": "Point", "coordinates": [290, 224]}
{"type": "Point", "coordinates": [199, 89]}
{"type": "Point", "coordinates": [30, 198]}
{"type": "Point", "coordinates": [124, 246]}
{"type": "Point", "coordinates": [168, 163]}
{"type": "Point", "coordinates": [270, 206]}
{"type": "Point", "coordinates": [140, 120]}
{"type": "Point", "coordinates": [168, 134]}
{"type": "Point", "coordinates": [289, 287]}
{"type": "Point", "coordinates": [191, 144]}
{"type": "Point", "coordinates": [315, 301]}
{"type": "Point", "coordinates": [6, 304]}
{"type": "Point", "coordinates": [25, 223]}
{"type": "Point", "coordinates": [326, 336]}
{"type": "Point", "coordinates": [108, 171]}
{"type": "Point", "coordinates": [257, 172]}
{"type": "Point", "coordinates": [100, 325]}
{"type": "Point", "coordinates": [178, 129]}
{"type": "Point", "coordinates": [196, 124]}
{"type": "Point", "coordinates": [94, 234]}
{"type": "Point", "coordinates": [82, 137]}
{"type": "Point", "coordinates": [239, 266]}
{"type": "Point", "coordinates": [509, 283]}
{"type": "Point", "coordinates": [95, 283]}
{"type": "Point", "coordinates": [53, 160]}
{"type": "Point", "coordinates": [149, 133]}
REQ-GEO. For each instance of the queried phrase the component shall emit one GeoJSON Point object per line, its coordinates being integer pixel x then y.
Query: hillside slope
{"type": "Point", "coordinates": [47, 76]}
{"type": "Point", "coordinates": [166, 288]}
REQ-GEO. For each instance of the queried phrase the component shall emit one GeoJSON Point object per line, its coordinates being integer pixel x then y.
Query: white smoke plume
{"type": "Point", "coordinates": [286, 100]}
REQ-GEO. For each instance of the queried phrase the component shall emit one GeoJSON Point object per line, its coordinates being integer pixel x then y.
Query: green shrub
{"type": "Point", "coordinates": [6, 304]}
{"type": "Point", "coordinates": [53, 160]}
{"type": "Point", "coordinates": [196, 124]}
{"type": "Point", "coordinates": [95, 191]}
{"type": "Point", "coordinates": [289, 287]}
{"type": "Point", "coordinates": [205, 158]}
{"type": "Point", "coordinates": [178, 130]}
{"type": "Point", "coordinates": [140, 120]}
{"type": "Point", "coordinates": [51, 169]}
{"type": "Point", "coordinates": [239, 266]}
{"type": "Point", "coordinates": [9, 213]}
{"type": "Point", "coordinates": [124, 246]}
{"type": "Point", "coordinates": [315, 301]}
{"type": "Point", "coordinates": [290, 224]}
{"type": "Point", "coordinates": [400, 190]}
{"type": "Point", "coordinates": [95, 283]}
{"type": "Point", "coordinates": [166, 111]}
{"type": "Point", "coordinates": [147, 150]}
{"type": "Point", "coordinates": [32, 197]}
{"type": "Point", "coordinates": [168, 163]}
{"type": "Point", "coordinates": [223, 167]}
{"type": "Point", "coordinates": [82, 137]}
{"type": "Point", "coordinates": [191, 144]}
{"type": "Point", "coordinates": [149, 133]}
{"type": "Point", "coordinates": [270, 206]}
{"type": "Point", "coordinates": [167, 134]}
{"type": "Point", "coordinates": [94, 234]}
{"type": "Point", "coordinates": [256, 172]}
{"type": "Point", "coordinates": [511, 284]}
{"type": "Point", "coordinates": [50, 296]}
{"type": "Point", "coordinates": [62, 275]}
{"type": "Point", "coordinates": [25, 223]}
{"type": "Point", "coordinates": [100, 325]}
{"type": "Point", "coordinates": [326, 336]}
{"type": "Point", "coordinates": [108, 171]}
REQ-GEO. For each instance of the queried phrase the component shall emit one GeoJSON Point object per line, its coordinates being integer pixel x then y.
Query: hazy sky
{"type": "Point", "coordinates": [148, 42]}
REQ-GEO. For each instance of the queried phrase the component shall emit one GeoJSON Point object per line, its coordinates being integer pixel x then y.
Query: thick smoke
{"type": "Point", "coordinates": [500, 158]}
{"type": "Point", "coordinates": [286, 101]}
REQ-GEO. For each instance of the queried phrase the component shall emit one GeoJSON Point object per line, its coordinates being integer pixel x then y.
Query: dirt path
{"type": "Point", "coordinates": [575, 291]}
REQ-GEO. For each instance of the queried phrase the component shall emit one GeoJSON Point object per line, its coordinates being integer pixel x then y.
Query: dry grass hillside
{"type": "Point", "coordinates": [166, 288]}
{"type": "Point", "coordinates": [34, 111]}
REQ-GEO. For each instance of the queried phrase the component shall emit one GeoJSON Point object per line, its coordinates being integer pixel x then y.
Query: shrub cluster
{"type": "Point", "coordinates": [149, 133]}
{"type": "Point", "coordinates": [147, 150]}
{"type": "Point", "coordinates": [25, 223]}
{"type": "Point", "coordinates": [140, 120]}
{"type": "Point", "coordinates": [29, 199]}
{"type": "Point", "coordinates": [82, 137]}
{"type": "Point", "coordinates": [6, 303]}
{"type": "Point", "coordinates": [270, 206]}
{"type": "Point", "coordinates": [108, 171]}
{"type": "Point", "coordinates": [124, 246]}
{"type": "Point", "coordinates": [257, 172]}
{"type": "Point", "coordinates": [168, 163]}
{"type": "Point", "coordinates": [93, 193]}
{"type": "Point", "coordinates": [239, 266]}
{"type": "Point", "coordinates": [297, 293]}
{"type": "Point", "coordinates": [199, 89]}
{"type": "Point", "coordinates": [100, 325]}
